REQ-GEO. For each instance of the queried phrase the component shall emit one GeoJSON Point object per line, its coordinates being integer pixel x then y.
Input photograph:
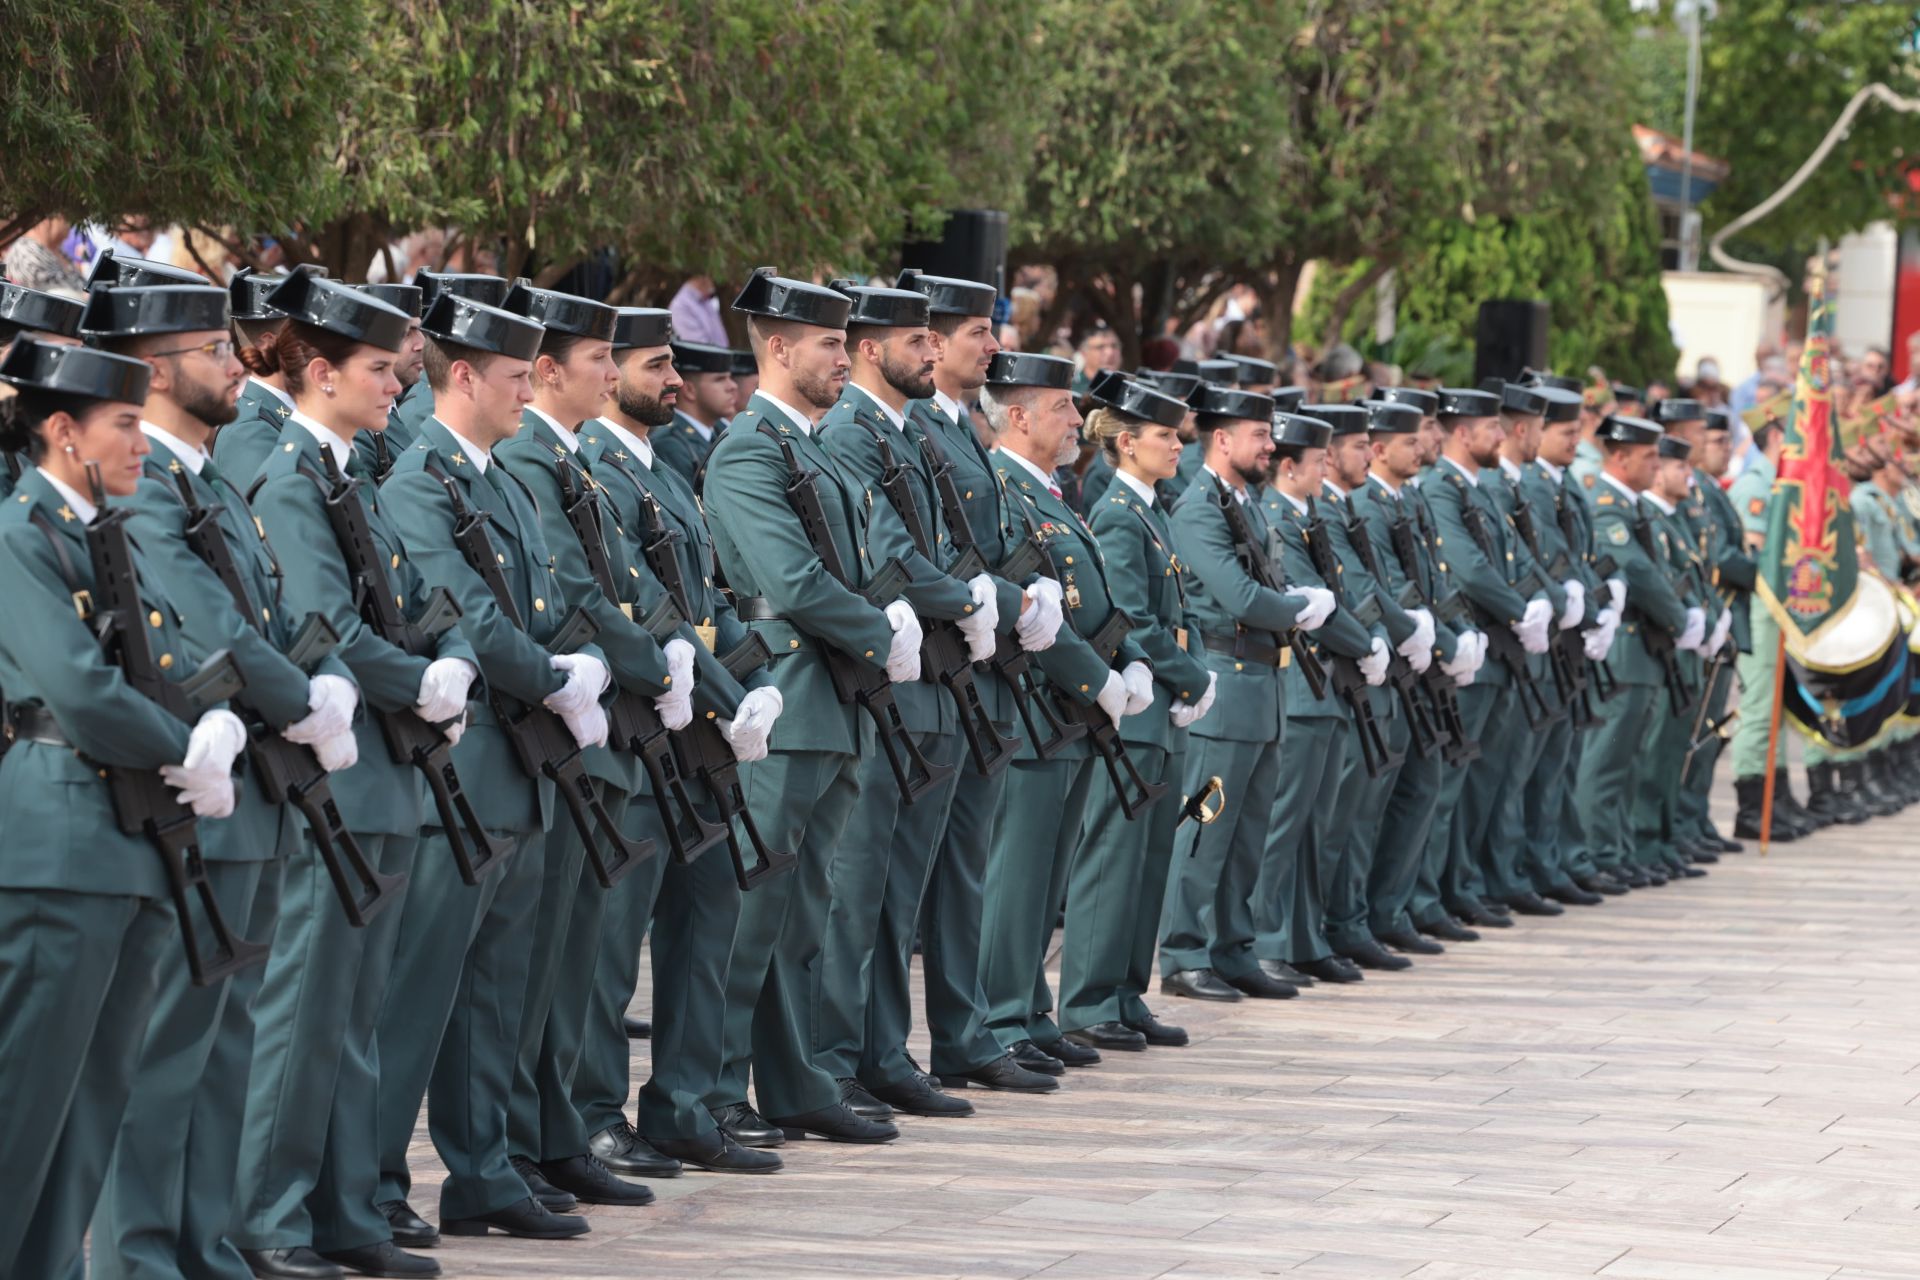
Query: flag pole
{"type": "Point", "coordinates": [1773, 741]}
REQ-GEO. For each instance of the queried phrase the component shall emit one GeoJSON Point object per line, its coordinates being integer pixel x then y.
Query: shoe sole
{"type": "Point", "coordinates": [794, 1135]}
{"type": "Point", "coordinates": [484, 1228]}
{"type": "Point", "coordinates": [426, 1242]}
{"type": "Point", "coordinates": [707, 1168]}
{"type": "Point", "coordinates": [1235, 998]}
{"type": "Point", "coordinates": [963, 1082]}
{"type": "Point", "coordinates": [1114, 1048]}
{"type": "Point", "coordinates": [767, 1143]}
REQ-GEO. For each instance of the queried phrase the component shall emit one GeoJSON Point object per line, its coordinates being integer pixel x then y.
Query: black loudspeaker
{"type": "Point", "coordinates": [972, 246]}
{"type": "Point", "coordinates": [1511, 335]}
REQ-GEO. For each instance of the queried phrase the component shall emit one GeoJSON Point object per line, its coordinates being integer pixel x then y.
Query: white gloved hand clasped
{"type": "Point", "coordinates": [1113, 698]}
{"type": "Point", "coordinates": [1576, 603]}
{"type": "Point", "coordinates": [444, 687]}
{"type": "Point", "coordinates": [1138, 678]}
{"type": "Point", "coordinates": [204, 776]}
{"type": "Point", "coordinates": [1040, 621]}
{"type": "Point", "coordinates": [675, 706]}
{"type": "Point", "coordinates": [1374, 665]}
{"type": "Point", "coordinates": [330, 703]}
{"type": "Point", "coordinates": [1533, 624]}
{"type": "Point", "coordinates": [978, 627]}
{"type": "Point", "coordinates": [1319, 607]}
{"type": "Point", "coordinates": [1694, 631]}
{"type": "Point", "coordinates": [752, 724]}
{"type": "Point", "coordinates": [1417, 648]}
{"type": "Point", "coordinates": [903, 654]}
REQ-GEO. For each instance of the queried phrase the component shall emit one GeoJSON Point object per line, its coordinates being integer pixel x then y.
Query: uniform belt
{"type": "Point", "coordinates": [756, 609]}
{"type": "Point", "coordinates": [29, 722]}
{"type": "Point", "coordinates": [760, 609]}
{"type": "Point", "coordinates": [1248, 649]}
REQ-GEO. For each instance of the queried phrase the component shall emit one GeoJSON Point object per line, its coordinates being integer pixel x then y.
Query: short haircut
{"type": "Point", "coordinates": [440, 356]}
{"type": "Point", "coordinates": [995, 401]}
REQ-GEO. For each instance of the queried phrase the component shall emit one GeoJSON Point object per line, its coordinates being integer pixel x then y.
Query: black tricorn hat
{"type": "Point", "coordinates": [1230, 402]}
{"type": "Point", "coordinates": [248, 290]}
{"type": "Point", "coordinates": [1288, 399]}
{"type": "Point", "coordinates": [491, 290]}
{"type": "Point", "coordinates": [1030, 369]}
{"type": "Point", "coordinates": [1464, 402]}
{"type": "Point", "coordinates": [1628, 392]}
{"type": "Point", "coordinates": [1542, 378]}
{"type": "Point", "coordinates": [1674, 409]}
{"type": "Point", "coordinates": [463, 322]}
{"type": "Point", "coordinates": [24, 310]}
{"type": "Point", "coordinates": [123, 269]}
{"type": "Point", "coordinates": [889, 308]}
{"type": "Point", "coordinates": [698, 357]}
{"type": "Point", "coordinates": [779, 298]}
{"type": "Point", "coordinates": [948, 295]}
{"type": "Point", "coordinates": [1301, 431]}
{"type": "Point", "coordinates": [1345, 419]}
{"type": "Point", "coordinates": [562, 312]}
{"type": "Point", "coordinates": [1218, 373]}
{"type": "Point", "coordinates": [1719, 419]}
{"type": "Point", "coordinates": [1622, 428]}
{"type": "Point", "coordinates": [1563, 403]}
{"type": "Point", "coordinates": [1251, 371]}
{"type": "Point", "coordinates": [1170, 381]}
{"type": "Point", "coordinates": [1384, 418]}
{"type": "Point", "coordinates": [1674, 447]}
{"type": "Point", "coordinates": [401, 297]}
{"type": "Point", "coordinates": [62, 367]}
{"type": "Point", "coordinates": [642, 327]}
{"type": "Point", "coordinates": [1515, 398]}
{"type": "Point", "coordinates": [116, 312]}
{"type": "Point", "coordinates": [1136, 399]}
{"type": "Point", "coordinates": [340, 308]}
{"type": "Point", "coordinates": [1414, 397]}
{"type": "Point", "coordinates": [745, 365]}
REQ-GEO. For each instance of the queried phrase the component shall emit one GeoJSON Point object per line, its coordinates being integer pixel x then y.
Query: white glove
{"type": "Point", "coordinates": [586, 681]}
{"type": "Point", "coordinates": [903, 656]}
{"type": "Point", "coordinates": [1184, 715]}
{"type": "Point", "coordinates": [1718, 636]}
{"type": "Point", "coordinates": [1138, 677]}
{"type": "Point", "coordinates": [1576, 604]}
{"type": "Point", "coordinates": [1695, 630]}
{"type": "Point", "coordinates": [1319, 608]}
{"type": "Point", "coordinates": [978, 627]}
{"type": "Point", "coordinates": [676, 704]}
{"type": "Point", "coordinates": [330, 704]}
{"type": "Point", "coordinates": [1374, 665]}
{"type": "Point", "coordinates": [588, 726]}
{"type": "Point", "coordinates": [1113, 698]}
{"type": "Point", "coordinates": [1617, 593]}
{"type": "Point", "coordinates": [1040, 621]}
{"type": "Point", "coordinates": [444, 686]}
{"type": "Point", "coordinates": [1479, 649]}
{"type": "Point", "coordinates": [342, 751]}
{"type": "Point", "coordinates": [1466, 659]}
{"type": "Point", "coordinates": [1533, 624]}
{"type": "Point", "coordinates": [1598, 642]}
{"type": "Point", "coordinates": [455, 729]}
{"type": "Point", "coordinates": [204, 777]}
{"type": "Point", "coordinates": [1417, 648]}
{"type": "Point", "coordinates": [752, 724]}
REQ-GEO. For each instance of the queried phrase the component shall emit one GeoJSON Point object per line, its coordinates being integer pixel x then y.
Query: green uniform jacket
{"type": "Point", "coordinates": [411, 412]}
{"type": "Point", "coordinates": [1651, 599]}
{"type": "Point", "coordinates": [1751, 492]}
{"type": "Point", "coordinates": [1732, 567]}
{"type": "Point", "coordinates": [511, 660]}
{"type": "Point", "coordinates": [1878, 526]}
{"type": "Point", "coordinates": [1095, 481]}
{"type": "Point", "coordinates": [633, 655]}
{"type": "Point", "coordinates": [764, 553]}
{"type": "Point", "coordinates": [377, 450]}
{"type": "Point", "coordinates": [1146, 582]}
{"type": "Point", "coordinates": [241, 447]}
{"type": "Point", "coordinates": [61, 832]}
{"type": "Point", "coordinates": [1341, 634]}
{"type": "Point", "coordinates": [1587, 464]}
{"type": "Point", "coordinates": [1565, 524]}
{"type": "Point", "coordinates": [1379, 509]}
{"type": "Point", "coordinates": [680, 447]}
{"type": "Point", "coordinates": [378, 796]}
{"type": "Point", "coordinates": [851, 433]}
{"type": "Point", "coordinates": [1503, 490]}
{"type": "Point", "coordinates": [1483, 574]}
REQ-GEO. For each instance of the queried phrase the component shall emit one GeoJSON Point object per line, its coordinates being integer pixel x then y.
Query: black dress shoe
{"type": "Point", "coordinates": [1631, 876]}
{"type": "Point", "coordinates": [1447, 929]}
{"type": "Point", "coordinates": [1262, 986]}
{"type": "Point", "coordinates": [593, 1183]}
{"type": "Point", "coordinates": [383, 1259]}
{"type": "Point", "coordinates": [1004, 1074]}
{"type": "Point", "coordinates": [410, 1230]}
{"type": "Point", "coordinates": [855, 1098]}
{"type": "Point", "coordinates": [294, 1264]}
{"type": "Point", "coordinates": [1685, 872]}
{"type": "Point", "coordinates": [717, 1153]}
{"type": "Point", "coordinates": [1483, 917]}
{"type": "Point", "coordinates": [837, 1123]}
{"type": "Point", "coordinates": [1285, 972]}
{"type": "Point", "coordinates": [1574, 896]}
{"type": "Point", "coordinates": [1332, 969]}
{"type": "Point", "coordinates": [1110, 1035]}
{"type": "Point", "coordinates": [1601, 883]}
{"type": "Point", "coordinates": [1695, 851]}
{"type": "Point", "coordinates": [746, 1126]}
{"type": "Point", "coordinates": [1532, 904]}
{"type": "Point", "coordinates": [624, 1151]}
{"type": "Point", "coordinates": [529, 1220]}
{"type": "Point", "coordinates": [1412, 943]}
{"type": "Point", "coordinates": [551, 1197]}
{"type": "Point", "coordinates": [1371, 955]}
{"type": "Point", "coordinates": [1034, 1058]}
{"type": "Point", "coordinates": [918, 1095]}
{"type": "Point", "coordinates": [1160, 1034]}
{"type": "Point", "coordinates": [638, 1029]}
{"type": "Point", "coordinates": [1071, 1054]}
{"type": "Point", "coordinates": [1198, 984]}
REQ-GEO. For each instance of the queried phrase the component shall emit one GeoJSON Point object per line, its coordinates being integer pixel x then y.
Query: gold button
{"type": "Point", "coordinates": [969, 493]}
{"type": "Point", "coordinates": [712, 714]}
{"type": "Point", "coordinates": [667, 681]}
{"type": "Point", "coordinates": [102, 772]}
{"type": "Point", "coordinates": [633, 571]}
{"type": "Point", "coordinates": [396, 561]}
{"type": "Point", "coordinates": [497, 556]}
{"type": "Point", "coordinates": [398, 603]}
{"type": "Point", "coordinates": [795, 644]}
{"type": "Point", "coordinates": [968, 609]}
{"type": "Point", "coordinates": [1083, 689]}
{"type": "Point", "coordinates": [154, 619]}
{"type": "Point", "coordinates": [869, 653]}
{"type": "Point", "coordinates": [1069, 559]}
{"type": "Point", "coordinates": [1239, 666]}
{"type": "Point", "coordinates": [266, 614]}
{"type": "Point", "coordinates": [539, 605]}
{"type": "Point", "coordinates": [166, 661]}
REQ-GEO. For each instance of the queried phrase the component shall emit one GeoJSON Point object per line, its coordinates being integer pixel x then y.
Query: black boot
{"type": "Point", "coordinates": [1826, 801]}
{"type": "Point", "coordinates": [1748, 793]}
{"type": "Point", "coordinates": [1861, 783]}
{"type": "Point", "coordinates": [1783, 788]}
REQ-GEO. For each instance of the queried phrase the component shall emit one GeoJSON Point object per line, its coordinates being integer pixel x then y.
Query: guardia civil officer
{"type": "Point", "coordinates": [84, 921]}
{"type": "Point", "coordinates": [416, 407]}
{"type": "Point", "coordinates": [46, 316]}
{"type": "Point", "coordinates": [378, 449]}
{"type": "Point", "coordinates": [706, 402]}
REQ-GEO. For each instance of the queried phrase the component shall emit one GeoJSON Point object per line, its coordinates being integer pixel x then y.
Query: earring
{"type": "Point", "coordinates": [69, 448]}
{"type": "Point", "coordinates": [328, 389]}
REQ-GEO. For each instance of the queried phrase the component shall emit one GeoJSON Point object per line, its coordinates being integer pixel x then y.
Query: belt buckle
{"type": "Point", "coordinates": [709, 636]}
{"type": "Point", "coordinates": [1285, 659]}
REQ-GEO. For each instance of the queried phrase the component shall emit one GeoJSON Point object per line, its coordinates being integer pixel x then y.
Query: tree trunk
{"type": "Point", "coordinates": [1276, 288]}
{"type": "Point", "coordinates": [1343, 302]}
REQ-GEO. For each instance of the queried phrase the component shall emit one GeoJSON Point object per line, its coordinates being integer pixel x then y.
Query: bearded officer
{"type": "Point", "coordinates": [705, 403]}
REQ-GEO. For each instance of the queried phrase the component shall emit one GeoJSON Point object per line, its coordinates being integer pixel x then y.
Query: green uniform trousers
{"type": "Point", "coordinates": [950, 927]}
{"type": "Point", "coordinates": [1208, 921]}
{"type": "Point", "coordinates": [1108, 885]}
{"type": "Point", "coordinates": [1543, 866]}
{"type": "Point", "coordinates": [1448, 874]}
{"type": "Point", "coordinates": [450, 1026]}
{"type": "Point", "coordinates": [1295, 829]}
{"type": "Point", "coordinates": [916, 842]}
{"type": "Point", "coordinates": [168, 1198]}
{"type": "Point", "coordinates": [1400, 852]}
{"type": "Point", "coordinates": [1348, 897]}
{"type": "Point", "coordinates": [874, 860]}
{"type": "Point", "coordinates": [1691, 815]}
{"type": "Point", "coordinates": [79, 975]}
{"type": "Point", "coordinates": [542, 1123]}
{"type": "Point", "coordinates": [801, 800]}
{"type": "Point", "coordinates": [1025, 884]}
{"type": "Point", "coordinates": [1656, 782]}
{"type": "Point", "coordinates": [1603, 789]}
{"type": "Point", "coordinates": [1576, 850]}
{"type": "Point", "coordinates": [1495, 798]}
{"type": "Point", "coordinates": [1756, 697]}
